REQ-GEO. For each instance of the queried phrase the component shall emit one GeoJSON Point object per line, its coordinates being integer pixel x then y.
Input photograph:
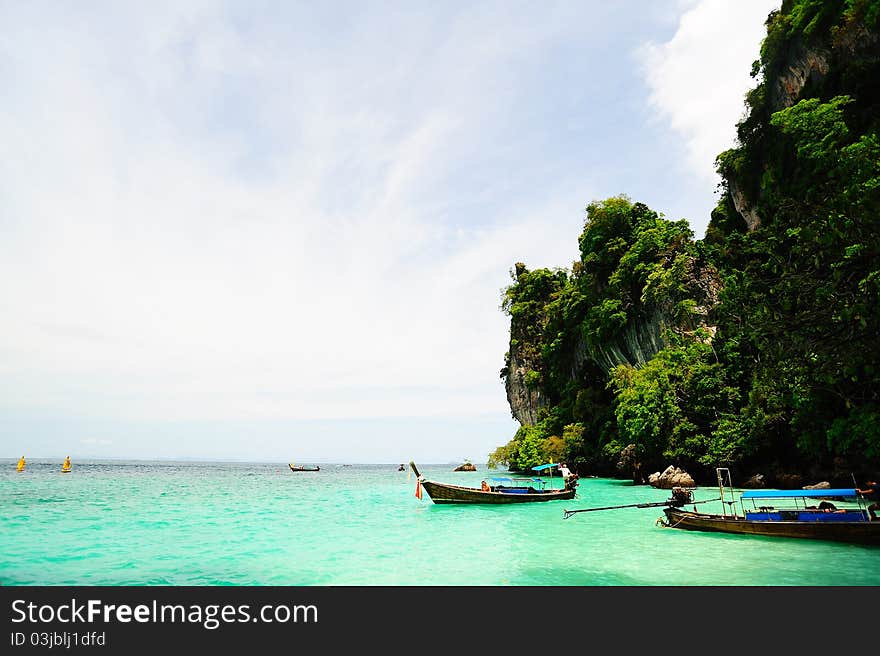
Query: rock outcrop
{"type": "Point", "coordinates": [525, 399]}
{"type": "Point", "coordinates": [522, 363]}
{"type": "Point", "coordinates": [755, 482]}
{"type": "Point", "coordinates": [466, 467]}
{"type": "Point", "coordinates": [742, 204]}
{"type": "Point", "coordinates": [789, 481]}
{"type": "Point", "coordinates": [637, 343]}
{"type": "Point", "coordinates": [630, 464]}
{"type": "Point", "coordinates": [670, 478]}
{"type": "Point", "coordinates": [803, 65]}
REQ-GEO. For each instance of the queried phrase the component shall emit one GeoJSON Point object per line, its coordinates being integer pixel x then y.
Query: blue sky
{"type": "Point", "coordinates": [280, 231]}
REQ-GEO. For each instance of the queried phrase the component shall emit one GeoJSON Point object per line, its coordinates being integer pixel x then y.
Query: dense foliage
{"type": "Point", "coordinates": [758, 347]}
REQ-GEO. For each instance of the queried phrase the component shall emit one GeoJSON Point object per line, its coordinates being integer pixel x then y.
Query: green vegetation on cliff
{"type": "Point", "coordinates": [757, 348]}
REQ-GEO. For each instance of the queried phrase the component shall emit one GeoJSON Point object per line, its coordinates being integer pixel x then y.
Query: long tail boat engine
{"type": "Point", "coordinates": [680, 497]}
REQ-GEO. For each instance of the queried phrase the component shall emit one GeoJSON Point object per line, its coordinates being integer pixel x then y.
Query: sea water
{"type": "Point", "coordinates": [188, 523]}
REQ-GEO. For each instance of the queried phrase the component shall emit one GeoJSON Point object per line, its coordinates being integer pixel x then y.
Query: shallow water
{"type": "Point", "coordinates": [163, 523]}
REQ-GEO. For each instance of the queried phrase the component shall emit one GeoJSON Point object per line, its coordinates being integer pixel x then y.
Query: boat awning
{"type": "Point", "coordinates": [547, 466]}
{"type": "Point", "coordinates": [797, 494]}
{"type": "Point", "coordinates": [511, 480]}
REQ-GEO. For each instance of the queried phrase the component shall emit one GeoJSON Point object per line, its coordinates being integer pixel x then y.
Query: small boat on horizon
{"type": "Point", "coordinates": [494, 490]}
{"type": "Point", "coordinates": [300, 468]}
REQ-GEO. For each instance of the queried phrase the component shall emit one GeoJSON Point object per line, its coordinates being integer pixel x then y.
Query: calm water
{"type": "Point", "coordinates": [135, 523]}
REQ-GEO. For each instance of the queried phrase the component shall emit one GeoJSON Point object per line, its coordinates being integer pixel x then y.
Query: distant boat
{"type": "Point", "coordinates": [789, 516]}
{"type": "Point", "coordinates": [401, 468]}
{"type": "Point", "coordinates": [299, 468]}
{"type": "Point", "coordinates": [493, 490]}
{"type": "Point", "coordinates": [65, 468]}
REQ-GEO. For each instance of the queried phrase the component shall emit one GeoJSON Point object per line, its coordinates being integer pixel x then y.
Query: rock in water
{"type": "Point", "coordinates": [670, 478]}
{"type": "Point", "coordinates": [755, 482]}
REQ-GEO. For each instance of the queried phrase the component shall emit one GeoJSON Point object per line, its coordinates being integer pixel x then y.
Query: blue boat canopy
{"type": "Point", "coordinates": [547, 466]}
{"type": "Point", "coordinates": [797, 494]}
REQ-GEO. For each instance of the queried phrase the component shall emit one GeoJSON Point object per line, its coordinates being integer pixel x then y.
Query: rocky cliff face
{"type": "Point", "coordinates": [642, 338]}
{"type": "Point", "coordinates": [525, 399]}
{"type": "Point", "coordinates": [742, 204]}
{"type": "Point", "coordinates": [637, 342]}
{"type": "Point", "coordinates": [803, 66]}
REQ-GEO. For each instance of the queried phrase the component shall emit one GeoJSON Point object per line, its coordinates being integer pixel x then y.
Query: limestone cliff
{"type": "Point", "coordinates": [554, 338]}
{"type": "Point", "coordinates": [632, 361]}
{"type": "Point", "coordinates": [795, 66]}
{"type": "Point", "coordinates": [801, 65]}
{"type": "Point", "coordinates": [525, 398]}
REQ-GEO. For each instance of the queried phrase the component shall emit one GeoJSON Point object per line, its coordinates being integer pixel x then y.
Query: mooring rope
{"type": "Point", "coordinates": [662, 522]}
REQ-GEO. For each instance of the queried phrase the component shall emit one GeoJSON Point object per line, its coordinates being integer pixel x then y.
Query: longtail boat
{"type": "Point", "coordinates": [494, 490]}
{"type": "Point", "coordinates": [299, 468]}
{"type": "Point", "coordinates": [781, 513]}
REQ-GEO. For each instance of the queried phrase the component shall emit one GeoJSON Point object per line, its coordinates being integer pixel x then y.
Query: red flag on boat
{"type": "Point", "coordinates": [418, 489]}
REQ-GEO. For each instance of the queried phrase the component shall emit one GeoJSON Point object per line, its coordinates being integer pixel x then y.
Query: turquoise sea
{"type": "Point", "coordinates": [195, 523]}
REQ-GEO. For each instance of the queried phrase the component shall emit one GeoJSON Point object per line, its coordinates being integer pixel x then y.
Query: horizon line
{"type": "Point", "coordinates": [208, 460]}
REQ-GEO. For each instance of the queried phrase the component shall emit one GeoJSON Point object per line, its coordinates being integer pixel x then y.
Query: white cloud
{"type": "Point", "coordinates": [698, 79]}
{"type": "Point", "coordinates": [209, 212]}
{"type": "Point", "coordinates": [203, 226]}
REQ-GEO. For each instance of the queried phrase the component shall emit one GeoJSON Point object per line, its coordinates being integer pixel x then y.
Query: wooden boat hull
{"type": "Point", "coordinates": [303, 469]}
{"type": "Point", "coordinates": [857, 532]}
{"type": "Point", "coordinates": [445, 493]}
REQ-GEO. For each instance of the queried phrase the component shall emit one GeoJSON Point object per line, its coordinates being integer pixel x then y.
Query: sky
{"type": "Point", "coordinates": [280, 231]}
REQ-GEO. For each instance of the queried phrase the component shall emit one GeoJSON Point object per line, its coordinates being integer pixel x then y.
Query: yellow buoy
{"type": "Point", "coordinates": [66, 466]}
{"type": "Point", "coordinates": [20, 466]}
